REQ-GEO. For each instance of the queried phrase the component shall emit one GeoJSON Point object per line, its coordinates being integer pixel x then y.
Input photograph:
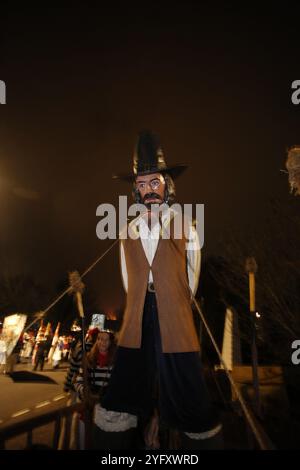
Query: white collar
{"type": "Point", "coordinates": [166, 217]}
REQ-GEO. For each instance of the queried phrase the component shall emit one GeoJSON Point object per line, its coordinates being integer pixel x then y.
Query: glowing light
{"type": "Point", "coordinates": [111, 316]}
{"type": "Point", "coordinates": [257, 315]}
{"type": "Point", "coordinates": [12, 320]}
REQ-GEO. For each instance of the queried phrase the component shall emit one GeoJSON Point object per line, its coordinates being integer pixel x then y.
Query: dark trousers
{"type": "Point", "coordinates": [173, 382]}
{"type": "Point", "coordinates": [103, 440]}
{"type": "Point", "coordinates": [39, 361]}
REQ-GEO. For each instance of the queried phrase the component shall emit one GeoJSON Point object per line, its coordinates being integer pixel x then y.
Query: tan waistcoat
{"type": "Point", "coordinates": [170, 279]}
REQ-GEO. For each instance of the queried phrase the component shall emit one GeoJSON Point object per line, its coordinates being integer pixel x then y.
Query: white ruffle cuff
{"type": "Point", "coordinates": [204, 435]}
{"type": "Point", "coordinates": [113, 421]}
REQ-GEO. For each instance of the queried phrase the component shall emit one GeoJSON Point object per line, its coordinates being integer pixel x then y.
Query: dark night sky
{"type": "Point", "coordinates": [81, 82]}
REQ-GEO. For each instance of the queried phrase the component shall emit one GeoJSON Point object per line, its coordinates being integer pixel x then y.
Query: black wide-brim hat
{"type": "Point", "coordinates": [149, 158]}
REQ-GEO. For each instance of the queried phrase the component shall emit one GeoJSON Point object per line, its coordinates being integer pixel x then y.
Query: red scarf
{"type": "Point", "coordinates": [102, 359]}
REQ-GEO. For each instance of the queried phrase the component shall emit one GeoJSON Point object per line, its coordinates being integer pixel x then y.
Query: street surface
{"type": "Point", "coordinates": [29, 393]}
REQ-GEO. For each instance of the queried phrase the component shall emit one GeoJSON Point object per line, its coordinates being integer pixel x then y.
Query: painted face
{"type": "Point", "coordinates": [103, 341]}
{"type": "Point", "coordinates": [151, 188]}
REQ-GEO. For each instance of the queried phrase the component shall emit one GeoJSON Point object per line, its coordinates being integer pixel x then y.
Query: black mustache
{"type": "Point", "coordinates": [151, 196]}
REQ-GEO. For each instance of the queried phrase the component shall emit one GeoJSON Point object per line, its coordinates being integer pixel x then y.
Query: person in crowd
{"type": "Point", "coordinates": [76, 354]}
{"type": "Point", "coordinates": [76, 357]}
{"type": "Point", "coordinates": [57, 355]}
{"type": "Point", "coordinates": [41, 352]}
{"type": "Point", "coordinates": [28, 343]}
{"type": "Point", "coordinates": [2, 354]}
{"type": "Point", "coordinates": [98, 366]}
{"type": "Point", "coordinates": [14, 357]}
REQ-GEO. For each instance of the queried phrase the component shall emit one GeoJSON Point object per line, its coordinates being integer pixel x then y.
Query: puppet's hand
{"type": "Point", "coordinates": [151, 433]}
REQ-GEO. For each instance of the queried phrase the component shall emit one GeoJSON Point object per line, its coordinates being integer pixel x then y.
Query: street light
{"type": "Point", "coordinates": [251, 269]}
{"type": "Point", "coordinates": [293, 168]}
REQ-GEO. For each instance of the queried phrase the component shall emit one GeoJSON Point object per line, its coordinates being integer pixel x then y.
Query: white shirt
{"type": "Point", "coordinates": [149, 239]}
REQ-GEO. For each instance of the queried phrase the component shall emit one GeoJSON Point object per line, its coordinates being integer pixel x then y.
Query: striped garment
{"type": "Point", "coordinates": [75, 364]}
{"type": "Point", "coordinates": [98, 377]}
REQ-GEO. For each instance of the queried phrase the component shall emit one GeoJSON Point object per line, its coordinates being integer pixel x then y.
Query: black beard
{"type": "Point", "coordinates": [151, 196]}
